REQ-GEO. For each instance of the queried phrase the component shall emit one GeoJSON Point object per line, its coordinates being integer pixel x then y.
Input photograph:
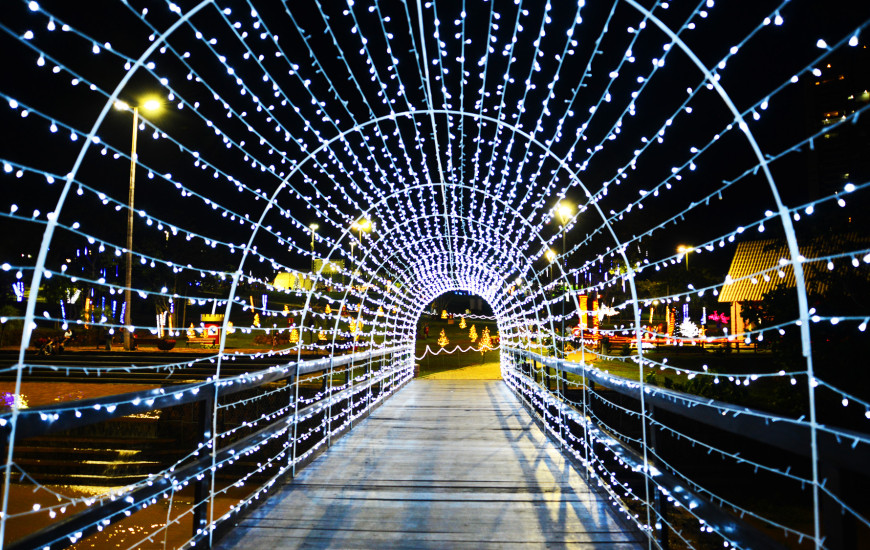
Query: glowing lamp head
{"type": "Point", "coordinates": [122, 105]}
{"type": "Point", "coordinates": [152, 105]}
{"type": "Point", "coordinates": [550, 254]}
{"type": "Point", "coordinates": [362, 225]}
{"type": "Point", "coordinates": [314, 227]}
{"type": "Point", "coordinates": [683, 249]}
{"type": "Point", "coordinates": [565, 210]}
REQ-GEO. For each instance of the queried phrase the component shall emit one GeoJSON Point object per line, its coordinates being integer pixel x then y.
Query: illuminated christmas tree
{"type": "Point", "coordinates": [191, 332]}
{"type": "Point", "coordinates": [294, 336]}
{"type": "Point", "coordinates": [444, 314]}
{"type": "Point", "coordinates": [256, 319]}
{"type": "Point", "coordinates": [442, 339]}
{"type": "Point", "coordinates": [472, 334]}
{"type": "Point", "coordinates": [485, 342]}
{"type": "Point", "coordinates": [462, 324]}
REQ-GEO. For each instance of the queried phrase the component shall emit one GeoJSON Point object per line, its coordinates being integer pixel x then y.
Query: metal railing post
{"type": "Point", "coordinates": [329, 408]}
{"type": "Point", "coordinates": [202, 486]}
{"type": "Point", "coordinates": [295, 378]}
{"type": "Point", "coordinates": [661, 501]}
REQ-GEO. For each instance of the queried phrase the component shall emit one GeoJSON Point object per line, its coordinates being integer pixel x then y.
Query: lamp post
{"type": "Point", "coordinates": [148, 105]}
{"type": "Point", "coordinates": [363, 224]}
{"type": "Point", "coordinates": [550, 254]}
{"type": "Point", "coordinates": [685, 250]}
{"type": "Point", "coordinates": [360, 225]}
{"type": "Point", "coordinates": [313, 227]}
{"type": "Point", "coordinates": [565, 212]}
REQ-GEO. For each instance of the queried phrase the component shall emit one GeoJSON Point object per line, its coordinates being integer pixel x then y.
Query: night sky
{"type": "Point", "coordinates": [333, 111]}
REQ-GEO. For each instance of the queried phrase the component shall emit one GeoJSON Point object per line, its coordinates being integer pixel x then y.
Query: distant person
{"type": "Point", "coordinates": [426, 331]}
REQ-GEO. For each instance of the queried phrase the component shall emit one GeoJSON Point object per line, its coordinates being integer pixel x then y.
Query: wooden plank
{"type": "Point", "coordinates": [444, 463]}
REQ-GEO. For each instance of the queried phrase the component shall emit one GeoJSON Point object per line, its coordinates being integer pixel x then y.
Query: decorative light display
{"type": "Point", "coordinates": [442, 339]}
{"type": "Point", "coordinates": [431, 143]}
{"type": "Point", "coordinates": [485, 343]}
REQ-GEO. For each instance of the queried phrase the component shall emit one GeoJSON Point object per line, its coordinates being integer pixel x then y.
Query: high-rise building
{"type": "Point", "coordinates": [842, 154]}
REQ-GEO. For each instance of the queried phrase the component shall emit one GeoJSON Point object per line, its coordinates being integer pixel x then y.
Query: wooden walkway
{"type": "Point", "coordinates": [442, 464]}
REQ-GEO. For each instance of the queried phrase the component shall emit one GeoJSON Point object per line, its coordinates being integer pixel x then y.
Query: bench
{"type": "Point", "coordinates": [207, 342]}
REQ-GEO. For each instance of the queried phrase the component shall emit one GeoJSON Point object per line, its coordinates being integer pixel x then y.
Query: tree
{"type": "Point", "coordinates": [472, 334]}
{"type": "Point", "coordinates": [14, 326]}
{"type": "Point", "coordinates": [442, 339]}
{"type": "Point", "coordinates": [485, 343]}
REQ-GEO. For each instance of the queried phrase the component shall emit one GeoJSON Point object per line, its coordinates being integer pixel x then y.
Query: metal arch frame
{"type": "Point", "coordinates": [404, 191]}
{"type": "Point", "coordinates": [407, 327]}
{"type": "Point", "coordinates": [412, 265]}
{"type": "Point", "coordinates": [791, 240]}
{"type": "Point", "coordinates": [47, 235]}
{"type": "Point", "coordinates": [418, 312]}
{"type": "Point", "coordinates": [783, 212]}
{"type": "Point", "coordinates": [409, 265]}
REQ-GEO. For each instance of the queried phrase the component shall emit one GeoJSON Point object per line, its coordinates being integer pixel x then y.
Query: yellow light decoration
{"type": "Point", "coordinates": [380, 311]}
{"type": "Point", "coordinates": [442, 339]}
{"type": "Point", "coordinates": [444, 314]}
{"type": "Point", "coordinates": [352, 327]}
{"type": "Point", "coordinates": [321, 336]}
{"type": "Point", "coordinates": [472, 334]}
{"type": "Point", "coordinates": [191, 331]}
{"type": "Point", "coordinates": [462, 324]}
{"type": "Point", "coordinates": [256, 319]}
{"type": "Point", "coordinates": [485, 341]}
{"type": "Point", "coordinates": [327, 309]}
{"type": "Point", "coordinates": [294, 336]}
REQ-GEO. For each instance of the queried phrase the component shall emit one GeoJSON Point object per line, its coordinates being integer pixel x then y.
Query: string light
{"type": "Point", "coordinates": [454, 130]}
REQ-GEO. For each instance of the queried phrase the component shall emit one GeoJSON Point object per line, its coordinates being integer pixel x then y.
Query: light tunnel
{"type": "Point", "coordinates": [622, 182]}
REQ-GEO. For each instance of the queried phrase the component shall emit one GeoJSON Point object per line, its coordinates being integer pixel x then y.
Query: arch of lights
{"type": "Point", "coordinates": [455, 129]}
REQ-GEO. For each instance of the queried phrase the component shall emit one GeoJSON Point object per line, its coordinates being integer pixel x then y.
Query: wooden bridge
{"type": "Point", "coordinates": [443, 464]}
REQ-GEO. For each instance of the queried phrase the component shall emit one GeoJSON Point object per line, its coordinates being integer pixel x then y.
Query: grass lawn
{"type": "Point", "coordinates": [468, 364]}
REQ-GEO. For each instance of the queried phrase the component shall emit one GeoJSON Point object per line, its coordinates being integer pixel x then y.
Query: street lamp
{"type": "Point", "coordinates": [550, 254]}
{"type": "Point", "coordinates": [313, 227]}
{"type": "Point", "coordinates": [360, 225]}
{"type": "Point", "coordinates": [149, 105]}
{"type": "Point", "coordinates": [363, 224]}
{"type": "Point", "coordinates": [566, 212]}
{"type": "Point", "coordinates": [685, 250]}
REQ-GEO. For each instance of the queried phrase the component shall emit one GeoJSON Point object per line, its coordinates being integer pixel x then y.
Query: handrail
{"type": "Point", "coordinates": [46, 419]}
{"type": "Point", "coordinates": [714, 516]}
{"type": "Point", "coordinates": [837, 446]}
{"type": "Point", "coordinates": [76, 527]}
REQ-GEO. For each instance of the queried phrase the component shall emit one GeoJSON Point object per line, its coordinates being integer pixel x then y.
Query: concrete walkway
{"type": "Point", "coordinates": [443, 464]}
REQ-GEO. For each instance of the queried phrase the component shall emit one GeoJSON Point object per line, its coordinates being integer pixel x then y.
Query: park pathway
{"type": "Point", "coordinates": [442, 464]}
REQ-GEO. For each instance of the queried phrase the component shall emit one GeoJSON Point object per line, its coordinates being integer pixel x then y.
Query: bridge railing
{"type": "Point", "coordinates": [252, 430]}
{"type": "Point", "coordinates": [663, 456]}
